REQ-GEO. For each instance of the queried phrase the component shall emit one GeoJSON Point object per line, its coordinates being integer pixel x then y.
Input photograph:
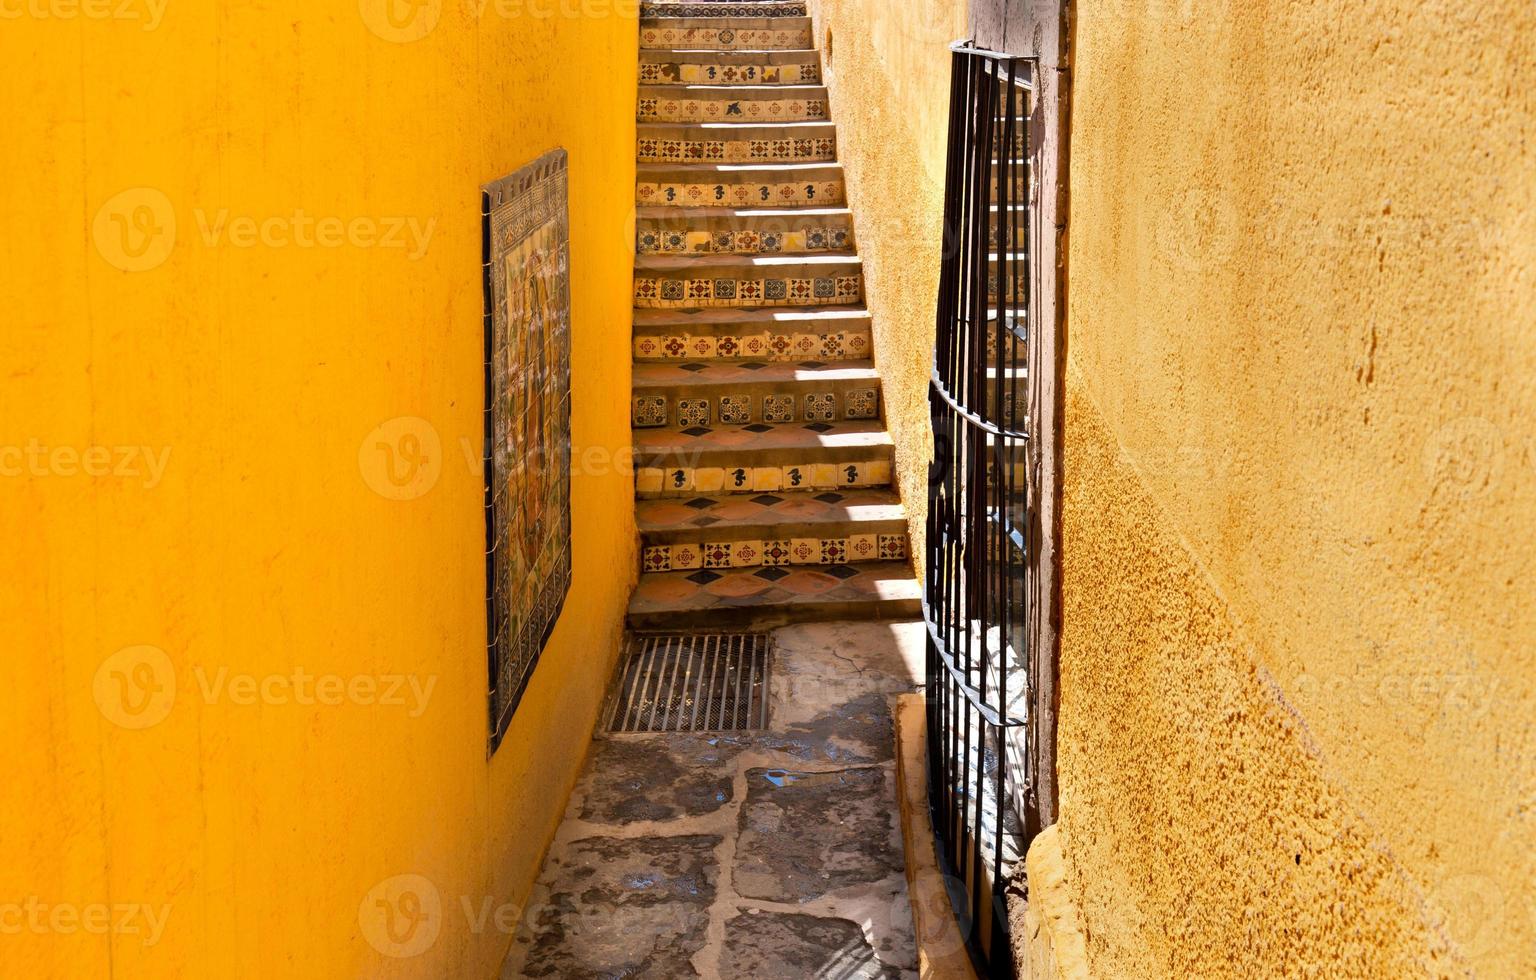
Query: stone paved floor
{"type": "Point", "coordinates": [771, 856]}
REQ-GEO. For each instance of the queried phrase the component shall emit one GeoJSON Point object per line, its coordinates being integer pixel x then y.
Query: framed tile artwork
{"type": "Point", "coordinates": [525, 232]}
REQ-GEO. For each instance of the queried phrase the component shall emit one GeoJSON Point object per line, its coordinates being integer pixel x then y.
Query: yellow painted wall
{"type": "Point", "coordinates": [258, 373]}
{"type": "Point", "coordinates": [1298, 682]}
{"type": "Point", "coordinates": [887, 71]}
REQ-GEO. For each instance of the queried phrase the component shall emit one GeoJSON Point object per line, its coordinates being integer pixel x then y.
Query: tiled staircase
{"type": "Point", "coordinates": [763, 466]}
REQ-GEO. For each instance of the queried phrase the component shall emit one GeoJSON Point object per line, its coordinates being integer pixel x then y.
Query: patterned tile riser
{"type": "Point", "coordinates": [688, 481]}
{"type": "Point", "coordinates": [770, 552]}
{"type": "Point", "coordinates": [819, 150]}
{"type": "Point", "coordinates": [731, 110]}
{"type": "Point", "coordinates": [724, 38]}
{"type": "Point", "coordinates": [766, 237]}
{"type": "Point", "coordinates": [851, 345]}
{"type": "Point", "coordinates": [654, 411]}
{"type": "Point", "coordinates": [714, 293]}
{"type": "Point", "coordinates": [739, 9]}
{"type": "Point", "coordinates": [740, 195]}
{"type": "Point", "coordinates": [683, 73]}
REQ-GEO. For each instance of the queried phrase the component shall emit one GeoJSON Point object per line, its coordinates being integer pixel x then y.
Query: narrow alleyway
{"type": "Point", "coordinates": [770, 855]}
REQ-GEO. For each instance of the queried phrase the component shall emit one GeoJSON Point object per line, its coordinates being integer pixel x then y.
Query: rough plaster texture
{"type": "Point", "coordinates": [887, 71]}
{"type": "Point", "coordinates": [1298, 696]}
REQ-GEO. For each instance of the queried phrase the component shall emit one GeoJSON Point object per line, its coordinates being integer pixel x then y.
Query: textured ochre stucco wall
{"type": "Point", "coordinates": [1298, 682]}
{"type": "Point", "coordinates": [887, 70]}
{"type": "Point", "coordinates": [263, 548]}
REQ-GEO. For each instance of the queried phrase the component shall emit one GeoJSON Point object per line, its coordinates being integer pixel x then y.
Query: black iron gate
{"type": "Point", "coordinates": [980, 550]}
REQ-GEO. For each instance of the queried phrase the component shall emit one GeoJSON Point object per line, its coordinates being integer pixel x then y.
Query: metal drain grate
{"type": "Point", "coordinates": [692, 682]}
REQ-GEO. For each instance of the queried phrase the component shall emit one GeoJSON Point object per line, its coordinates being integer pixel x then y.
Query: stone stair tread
{"type": "Point", "coordinates": [651, 54]}
{"type": "Point", "coordinates": [644, 169]}
{"type": "Point", "coordinates": [672, 374]}
{"type": "Point", "coordinates": [672, 213]}
{"type": "Point", "coordinates": [732, 514]}
{"type": "Point", "coordinates": [661, 317]}
{"type": "Point", "coordinates": [783, 439]}
{"type": "Point", "coordinates": [734, 21]}
{"type": "Point", "coordinates": [762, 444]}
{"type": "Point", "coordinates": [687, 262]}
{"type": "Point", "coordinates": [796, 128]}
{"type": "Point", "coordinates": [748, 596]}
{"type": "Point", "coordinates": [677, 89]}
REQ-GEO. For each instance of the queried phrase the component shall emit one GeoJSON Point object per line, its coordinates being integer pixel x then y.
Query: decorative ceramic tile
{"type": "Point", "coordinates": [675, 482]}
{"type": "Point", "coordinates": [824, 475]}
{"type": "Point", "coordinates": [687, 556]}
{"type": "Point", "coordinates": [727, 109]}
{"type": "Point", "coordinates": [739, 480]}
{"type": "Point", "coordinates": [751, 74]}
{"type": "Point", "coordinates": [745, 554]}
{"type": "Point", "coordinates": [717, 554]}
{"type": "Point", "coordinates": [776, 552]}
{"type": "Point", "coordinates": [778, 408]}
{"type": "Point", "coordinates": [821, 407]}
{"type": "Point", "coordinates": [657, 558]}
{"type": "Point", "coordinates": [648, 481]}
{"type": "Point", "coordinates": [693, 411]}
{"type": "Point", "coordinates": [738, 194]}
{"type": "Point", "coordinates": [862, 403]}
{"type": "Point", "coordinates": [766, 478]}
{"type": "Point", "coordinates": [834, 551]}
{"type": "Point", "coordinates": [796, 478]}
{"type": "Point", "coordinates": [648, 412]}
{"type": "Point", "coordinates": [674, 8]}
{"type": "Point", "coordinates": [657, 34]}
{"type": "Point", "coordinates": [805, 551]}
{"type": "Point", "coordinates": [893, 547]}
{"type": "Point", "coordinates": [863, 547]}
{"type": "Point", "coordinates": [735, 409]}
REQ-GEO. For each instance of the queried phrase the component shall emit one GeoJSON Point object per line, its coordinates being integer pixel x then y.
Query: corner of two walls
{"type": "Point", "coordinates": [887, 73]}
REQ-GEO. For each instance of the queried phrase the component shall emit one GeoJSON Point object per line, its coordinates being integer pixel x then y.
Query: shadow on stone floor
{"type": "Point", "coordinates": [773, 854]}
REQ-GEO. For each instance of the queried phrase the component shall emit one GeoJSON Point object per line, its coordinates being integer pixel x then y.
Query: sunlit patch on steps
{"type": "Point", "coordinates": [691, 682]}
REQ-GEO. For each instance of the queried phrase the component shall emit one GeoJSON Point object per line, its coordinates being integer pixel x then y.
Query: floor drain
{"type": "Point", "coordinates": [692, 682]}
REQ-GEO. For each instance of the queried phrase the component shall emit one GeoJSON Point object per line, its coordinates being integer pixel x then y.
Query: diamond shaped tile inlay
{"type": "Point", "coordinates": [839, 571]}
{"type": "Point", "coordinates": [704, 578]}
{"type": "Point", "coordinates": [701, 503]}
{"type": "Point", "coordinates": [767, 500]}
{"type": "Point", "coordinates": [771, 574]}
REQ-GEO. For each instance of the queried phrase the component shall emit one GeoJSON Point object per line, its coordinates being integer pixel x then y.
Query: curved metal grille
{"type": "Point", "coordinates": [979, 501]}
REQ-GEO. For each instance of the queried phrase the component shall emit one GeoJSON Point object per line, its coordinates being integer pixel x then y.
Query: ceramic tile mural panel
{"type": "Point", "coordinates": [528, 422]}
